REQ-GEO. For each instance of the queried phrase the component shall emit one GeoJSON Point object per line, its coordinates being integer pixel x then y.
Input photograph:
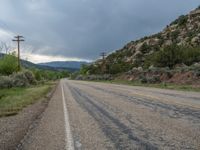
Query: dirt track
{"type": "Point", "coordinates": [106, 116]}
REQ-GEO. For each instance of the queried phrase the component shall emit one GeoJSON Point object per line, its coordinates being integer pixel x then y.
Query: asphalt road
{"type": "Point", "coordinates": [98, 116]}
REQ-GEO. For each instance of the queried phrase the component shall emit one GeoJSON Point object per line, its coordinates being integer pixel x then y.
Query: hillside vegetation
{"type": "Point", "coordinates": [178, 45]}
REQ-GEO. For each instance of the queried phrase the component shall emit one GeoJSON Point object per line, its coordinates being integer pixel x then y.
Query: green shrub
{"type": "Point", "coordinates": [153, 80]}
{"type": "Point", "coordinates": [182, 20]}
{"type": "Point", "coordinates": [149, 80]}
{"type": "Point", "coordinates": [142, 79]}
{"type": "Point", "coordinates": [175, 34]}
{"type": "Point", "coordinates": [169, 56]}
{"type": "Point", "coordinates": [190, 55]}
{"type": "Point", "coordinates": [8, 65]}
{"type": "Point", "coordinates": [172, 55]}
{"type": "Point", "coordinates": [145, 48]}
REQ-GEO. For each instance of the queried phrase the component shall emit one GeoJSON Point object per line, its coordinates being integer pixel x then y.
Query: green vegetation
{"type": "Point", "coordinates": [42, 75]}
{"type": "Point", "coordinates": [21, 88]}
{"type": "Point", "coordinates": [181, 21]}
{"type": "Point", "coordinates": [145, 48]}
{"type": "Point", "coordinates": [8, 64]}
{"type": "Point", "coordinates": [10, 76]}
{"type": "Point", "coordinates": [172, 55]}
{"type": "Point", "coordinates": [169, 56]}
{"type": "Point", "coordinates": [15, 99]}
{"type": "Point", "coordinates": [108, 68]}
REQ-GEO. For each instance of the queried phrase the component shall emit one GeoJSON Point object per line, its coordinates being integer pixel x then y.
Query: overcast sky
{"type": "Point", "coordinates": [81, 29]}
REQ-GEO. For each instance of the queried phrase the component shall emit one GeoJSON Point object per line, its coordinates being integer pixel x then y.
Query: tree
{"type": "Point", "coordinates": [8, 64]}
{"type": "Point", "coordinates": [169, 56]}
{"type": "Point", "coordinates": [172, 55]}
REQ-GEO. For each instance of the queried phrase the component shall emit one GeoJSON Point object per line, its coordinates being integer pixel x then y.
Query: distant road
{"type": "Point", "coordinates": [98, 116]}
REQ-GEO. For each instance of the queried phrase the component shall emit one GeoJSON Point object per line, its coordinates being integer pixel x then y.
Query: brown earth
{"type": "Point", "coordinates": [187, 77]}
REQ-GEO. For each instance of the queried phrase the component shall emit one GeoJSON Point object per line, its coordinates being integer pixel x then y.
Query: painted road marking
{"type": "Point", "coordinates": [68, 136]}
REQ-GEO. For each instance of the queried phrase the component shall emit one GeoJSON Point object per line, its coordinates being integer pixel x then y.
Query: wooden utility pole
{"type": "Point", "coordinates": [103, 54]}
{"type": "Point", "coordinates": [18, 39]}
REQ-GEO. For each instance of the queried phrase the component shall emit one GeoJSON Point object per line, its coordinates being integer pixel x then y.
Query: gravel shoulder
{"type": "Point", "coordinates": [49, 133]}
{"type": "Point", "coordinates": [14, 128]}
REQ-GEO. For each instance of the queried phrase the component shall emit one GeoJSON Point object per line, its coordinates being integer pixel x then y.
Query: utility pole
{"type": "Point", "coordinates": [103, 54]}
{"type": "Point", "coordinates": [18, 39]}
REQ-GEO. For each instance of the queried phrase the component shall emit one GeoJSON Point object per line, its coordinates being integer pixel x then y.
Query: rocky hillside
{"type": "Point", "coordinates": [184, 31]}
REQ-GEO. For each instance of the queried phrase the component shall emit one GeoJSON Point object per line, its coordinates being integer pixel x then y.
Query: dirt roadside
{"type": "Point", "coordinates": [14, 128]}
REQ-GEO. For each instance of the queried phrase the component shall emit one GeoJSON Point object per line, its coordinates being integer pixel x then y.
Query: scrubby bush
{"type": "Point", "coordinates": [142, 79]}
{"type": "Point", "coordinates": [154, 79]}
{"type": "Point", "coordinates": [19, 79]}
{"type": "Point", "coordinates": [30, 76]}
{"type": "Point", "coordinates": [150, 80]}
{"type": "Point", "coordinates": [5, 82]}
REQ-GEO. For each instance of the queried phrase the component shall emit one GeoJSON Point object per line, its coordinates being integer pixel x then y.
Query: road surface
{"type": "Point", "coordinates": [98, 116]}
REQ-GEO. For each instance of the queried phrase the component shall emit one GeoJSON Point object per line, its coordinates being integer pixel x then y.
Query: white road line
{"type": "Point", "coordinates": [68, 136]}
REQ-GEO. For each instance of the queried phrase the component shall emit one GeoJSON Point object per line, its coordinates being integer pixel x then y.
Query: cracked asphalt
{"type": "Point", "coordinates": [107, 116]}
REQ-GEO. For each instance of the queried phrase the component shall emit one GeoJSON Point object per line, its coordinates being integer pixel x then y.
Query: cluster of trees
{"type": "Point", "coordinates": [49, 75]}
{"type": "Point", "coordinates": [172, 55]}
{"type": "Point", "coordinates": [107, 68]}
{"type": "Point", "coordinates": [10, 76]}
{"type": "Point", "coordinates": [8, 64]}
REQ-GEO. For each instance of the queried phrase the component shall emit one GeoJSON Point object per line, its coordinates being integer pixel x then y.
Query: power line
{"type": "Point", "coordinates": [18, 39]}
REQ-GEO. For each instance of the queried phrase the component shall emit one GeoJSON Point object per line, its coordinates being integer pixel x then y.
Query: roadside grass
{"type": "Point", "coordinates": [171, 86]}
{"type": "Point", "coordinates": [15, 99]}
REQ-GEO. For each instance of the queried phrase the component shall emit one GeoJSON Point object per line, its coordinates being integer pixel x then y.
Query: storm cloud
{"type": "Point", "coordinates": [84, 28]}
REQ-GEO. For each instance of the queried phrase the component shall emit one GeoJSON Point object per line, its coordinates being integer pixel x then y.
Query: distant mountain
{"type": "Point", "coordinates": [28, 64]}
{"type": "Point", "coordinates": [64, 64]}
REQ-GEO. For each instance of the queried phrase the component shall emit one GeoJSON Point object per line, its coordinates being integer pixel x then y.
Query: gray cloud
{"type": "Point", "coordinates": [84, 28]}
